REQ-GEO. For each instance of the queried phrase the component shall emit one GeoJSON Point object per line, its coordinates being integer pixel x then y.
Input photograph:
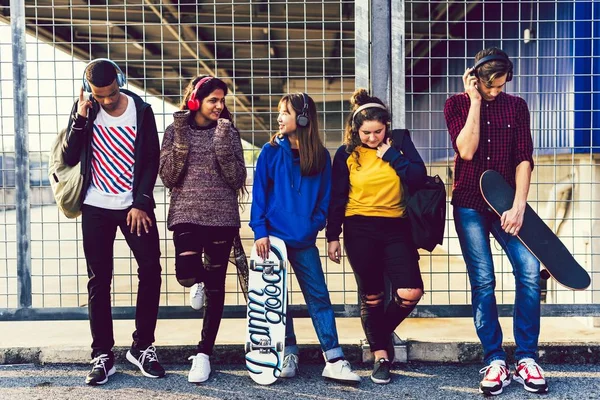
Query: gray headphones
{"type": "Point", "coordinates": [121, 78]}
{"type": "Point", "coordinates": [302, 118]}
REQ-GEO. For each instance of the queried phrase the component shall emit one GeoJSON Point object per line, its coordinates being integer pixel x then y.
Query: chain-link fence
{"type": "Point", "coordinates": [264, 49]}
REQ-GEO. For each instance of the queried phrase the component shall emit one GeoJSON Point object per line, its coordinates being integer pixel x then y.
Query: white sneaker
{"type": "Point", "coordinates": [529, 374]}
{"type": "Point", "coordinates": [290, 366]}
{"type": "Point", "coordinates": [340, 371]}
{"type": "Point", "coordinates": [496, 376]}
{"type": "Point", "coordinates": [197, 296]}
{"type": "Point", "coordinates": [200, 368]}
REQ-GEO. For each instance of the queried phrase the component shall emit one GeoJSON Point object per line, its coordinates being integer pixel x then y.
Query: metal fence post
{"type": "Point", "coordinates": [362, 44]}
{"type": "Point", "coordinates": [17, 23]}
{"type": "Point", "coordinates": [398, 73]}
{"type": "Point", "coordinates": [381, 27]}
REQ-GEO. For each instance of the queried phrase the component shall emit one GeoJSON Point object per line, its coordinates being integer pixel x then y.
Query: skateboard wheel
{"type": "Point", "coordinates": [248, 347]}
{"type": "Point", "coordinates": [279, 347]}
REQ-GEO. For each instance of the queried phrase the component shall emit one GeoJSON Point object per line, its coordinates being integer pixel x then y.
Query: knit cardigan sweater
{"type": "Point", "coordinates": [204, 168]}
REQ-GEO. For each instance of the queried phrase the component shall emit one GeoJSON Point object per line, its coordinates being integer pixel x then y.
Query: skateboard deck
{"type": "Point", "coordinates": [535, 234]}
{"type": "Point", "coordinates": [267, 305]}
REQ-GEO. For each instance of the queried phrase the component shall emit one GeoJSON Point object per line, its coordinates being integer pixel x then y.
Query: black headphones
{"type": "Point", "coordinates": [495, 57]}
{"type": "Point", "coordinates": [302, 118]}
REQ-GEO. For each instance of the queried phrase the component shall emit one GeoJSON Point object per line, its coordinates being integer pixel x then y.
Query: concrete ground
{"type": "Point", "coordinates": [426, 340]}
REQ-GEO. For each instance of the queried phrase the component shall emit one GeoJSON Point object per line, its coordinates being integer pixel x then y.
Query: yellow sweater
{"type": "Point", "coordinates": [375, 188]}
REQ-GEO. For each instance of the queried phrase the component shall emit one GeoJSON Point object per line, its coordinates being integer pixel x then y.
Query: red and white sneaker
{"type": "Point", "coordinates": [531, 376]}
{"type": "Point", "coordinates": [496, 376]}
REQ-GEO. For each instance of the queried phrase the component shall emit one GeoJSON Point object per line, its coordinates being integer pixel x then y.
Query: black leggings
{"type": "Point", "coordinates": [376, 246]}
{"type": "Point", "coordinates": [215, 243]}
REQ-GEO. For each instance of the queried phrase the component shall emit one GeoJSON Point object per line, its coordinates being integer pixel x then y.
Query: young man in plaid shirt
{"type": "Point", "coordinates": [490, 129]}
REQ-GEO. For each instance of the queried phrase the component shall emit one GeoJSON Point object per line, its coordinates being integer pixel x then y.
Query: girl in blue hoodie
{"type": "Point", "coordinates": [290, 200]}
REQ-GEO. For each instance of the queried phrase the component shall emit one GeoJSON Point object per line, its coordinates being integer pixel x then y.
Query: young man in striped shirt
{"type": "Point", "coordinates": [489, 129]}
{"type": "Point", "coordinates": [113, 135]}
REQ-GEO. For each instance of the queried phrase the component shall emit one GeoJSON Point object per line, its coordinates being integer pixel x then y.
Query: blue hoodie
{"type": "Point", "coordinates": [285, 203]}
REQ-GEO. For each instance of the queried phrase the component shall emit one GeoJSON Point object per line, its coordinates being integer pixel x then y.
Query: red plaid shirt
{"type": "Point", "coordinates": [504, 142]}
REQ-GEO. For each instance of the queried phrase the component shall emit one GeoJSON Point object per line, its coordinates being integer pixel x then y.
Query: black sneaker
{"type": "Point", "coordinates": [146, 361]}
{"type": "Point", "coordinates": [381, 371]}
{"type": "Point", "coordinates": [104, 366]}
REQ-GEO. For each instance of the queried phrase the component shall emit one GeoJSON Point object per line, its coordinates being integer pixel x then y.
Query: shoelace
{"type": "Point", "coordinates": [199, 290]}
{"type": "Point", "coordinates": [150, 354]}
{"type": "Point", "coordinates": [532, 365]}
{"type": "Point", "coordinates": [492, 369]}
{"type": "Point", "coordinates": [287, 360]}
{"type": "Point", "coordinates": [346, 365]}
{"type": "Point", "coordinates": [100, 361]}
{"type": "Point", "coordinates": [381, 362]}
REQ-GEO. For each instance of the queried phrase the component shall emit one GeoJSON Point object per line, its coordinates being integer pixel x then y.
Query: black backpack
{"type": "Point", "coordinates": [425, 205]}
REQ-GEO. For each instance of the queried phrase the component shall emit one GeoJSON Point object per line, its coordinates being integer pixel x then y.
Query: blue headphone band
{"type": "Point", "coordinates": [121, 78]}
{"type": "Point", "coordinates": [495, 57]}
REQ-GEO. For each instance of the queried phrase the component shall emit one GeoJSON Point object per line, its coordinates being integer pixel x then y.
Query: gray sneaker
{"type": "Point", "coordinates": [290, 366]}
{"type": "Point", "coordinates": [381, 371]}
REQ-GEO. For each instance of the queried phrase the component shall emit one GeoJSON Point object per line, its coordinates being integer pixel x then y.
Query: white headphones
{"type": "Point", "coordinates": [365, 106]}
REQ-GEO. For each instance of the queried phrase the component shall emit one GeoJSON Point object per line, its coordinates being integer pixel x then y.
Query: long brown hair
{"type": "Point", "coordinates": [312, 151]}
{"type": "Point", "coordinates": [354, 122]}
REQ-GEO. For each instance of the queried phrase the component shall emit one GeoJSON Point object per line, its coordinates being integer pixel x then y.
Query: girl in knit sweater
{"type": "Point", "coordinates": [202, 163]}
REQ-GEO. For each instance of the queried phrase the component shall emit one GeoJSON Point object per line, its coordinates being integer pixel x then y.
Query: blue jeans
{"type": "Point", "coordinates": [473, 228]}
{"type": "Point", "coordinates": [309, 272]}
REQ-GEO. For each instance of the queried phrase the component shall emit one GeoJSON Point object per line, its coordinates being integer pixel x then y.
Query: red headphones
{"type": "Point", "coordinates": [193, 103]}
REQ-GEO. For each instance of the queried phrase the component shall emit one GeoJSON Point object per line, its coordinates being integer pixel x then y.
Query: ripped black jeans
{"type": "Point", "coordinates": [377, 247]}
{"type": "Point", "coordinates": [211, 247]}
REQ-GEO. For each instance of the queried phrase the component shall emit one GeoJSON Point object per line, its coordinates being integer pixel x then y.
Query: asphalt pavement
{"type": "Point", "coordinates": [409, 381]}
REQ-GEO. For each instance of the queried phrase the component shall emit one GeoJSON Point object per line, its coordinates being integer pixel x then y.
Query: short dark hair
{"type": "Point", "coordinates": [493, 69]}
{"type": "Point", "coordinates": [101, 73]}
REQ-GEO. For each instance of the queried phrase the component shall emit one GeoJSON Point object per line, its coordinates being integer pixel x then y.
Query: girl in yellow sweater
{"type": "Point", "coordinates": [367, 198]}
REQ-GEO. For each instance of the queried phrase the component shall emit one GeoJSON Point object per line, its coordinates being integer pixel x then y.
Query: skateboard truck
{"type": "Point", "coordinates": [267, 267]}
{"type": "Point", "coordinates": [263, 346]}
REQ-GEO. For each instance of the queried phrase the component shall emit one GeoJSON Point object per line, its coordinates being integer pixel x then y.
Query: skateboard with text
{"type": "Point", "coordinates": [267, 305]}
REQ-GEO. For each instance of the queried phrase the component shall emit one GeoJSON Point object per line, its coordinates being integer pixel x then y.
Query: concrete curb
{"type": "Point", "coordinates": [450, 352]}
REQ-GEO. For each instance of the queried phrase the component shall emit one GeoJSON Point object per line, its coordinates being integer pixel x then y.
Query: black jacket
{"type": "Point", "coordinates": [146, 150]}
